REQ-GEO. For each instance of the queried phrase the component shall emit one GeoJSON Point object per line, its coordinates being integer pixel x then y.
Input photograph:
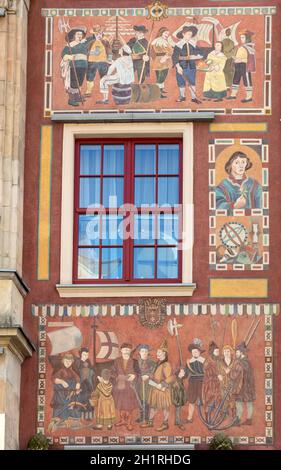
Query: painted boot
{"type": "Point", "coordinates": [122, 421]}
{"type": "Point", "coordinates": [90, 86]}
{"type": "Point", "coordinates": [163, 427]}
{"type": "Point", "coordinates": [129, 422]}
{"type": "Point", "coordinates": [149, 424]}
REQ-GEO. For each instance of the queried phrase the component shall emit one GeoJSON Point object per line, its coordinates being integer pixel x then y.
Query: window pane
{"type": "Point", "coordinates": [168, 229]}
{"type": "Point", "coordinates": [89, 192]}
{"type": "Point", "coordinates": [144, 263]}
{"type": "Point", "coordinates": [168, 191]}
{"type": "Point", "coordinates": [113, 160]}
{"type": "Point", "coordinates": [168, 159]}
{"type": "Point", "coordinates": [144, 191]}
{"type": "Point", "coordinates": [90, 159]}
{"type": "Point", "coordinates": [112, 230]}
{"type": "Point", "coordinates": [144, 231]}
{"type": "Point", "coordinates": [89, 230]}
{"type": "Point", "coordinates": [167, 263]}
{"type": "Point", "coordinates": [145, 159]}
{"type": "Point", "coordinates": [113, 190]}
{"type": "Point", "coordinates": [112, 263]}
{"type": "Point", "coordinates": [88, 263]}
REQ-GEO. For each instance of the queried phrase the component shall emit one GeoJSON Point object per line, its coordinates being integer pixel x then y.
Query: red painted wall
{"type": "Point", "coordinates": [45, 292]}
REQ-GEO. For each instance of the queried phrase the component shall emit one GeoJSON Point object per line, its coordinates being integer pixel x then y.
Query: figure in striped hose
{"type": "Point", "coordinates": [245, 65]}
{"type": "Point", "coordinates": [120, 75]}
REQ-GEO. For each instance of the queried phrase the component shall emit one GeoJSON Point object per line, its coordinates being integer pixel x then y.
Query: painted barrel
{"type": "Point", "coordinates": [145, 93]}
{"type": "Point", "coordinates": [121, 94]}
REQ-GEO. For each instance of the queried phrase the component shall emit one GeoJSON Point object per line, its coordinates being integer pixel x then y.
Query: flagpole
{"type": "Point", "coordinates": [94, 326]}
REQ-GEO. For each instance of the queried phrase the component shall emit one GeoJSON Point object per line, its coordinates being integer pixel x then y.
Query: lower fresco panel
{"type": "Point", "coordinates": [155, 374]}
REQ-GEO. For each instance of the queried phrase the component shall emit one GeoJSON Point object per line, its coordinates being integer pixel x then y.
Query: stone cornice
{"type": "Point", "coordinates": [10, 274]}
{"type": "Point", "coordinates": [15, 339]}
{"type": "Point", "coordinates": [10, 7]}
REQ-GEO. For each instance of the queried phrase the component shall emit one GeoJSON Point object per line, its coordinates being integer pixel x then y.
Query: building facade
{"type": "Point", "coordinates": [140, 223]}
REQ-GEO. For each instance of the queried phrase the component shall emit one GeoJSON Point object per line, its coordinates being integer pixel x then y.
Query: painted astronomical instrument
{"type": "Point", "coordinates": [233, 235]}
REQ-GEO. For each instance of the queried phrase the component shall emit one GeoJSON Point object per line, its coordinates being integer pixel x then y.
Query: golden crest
{"type": "Point", "coordinates": [157, 11]}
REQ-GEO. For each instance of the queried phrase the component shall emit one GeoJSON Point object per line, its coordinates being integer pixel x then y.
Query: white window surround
{"type": "Point", "coordinates": [66, 288]}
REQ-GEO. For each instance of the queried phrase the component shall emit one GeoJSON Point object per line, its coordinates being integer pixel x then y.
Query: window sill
{"type": "Point", "coordinates": [121, 290]}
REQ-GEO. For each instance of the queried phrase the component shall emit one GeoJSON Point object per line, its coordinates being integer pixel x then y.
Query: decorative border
{"type": "Point", "coordinates": [264, 212]}
{"type": "Point", "coordinates": [44, 311]}
{"type": "Point", "coordinates": [178, 11]}
{"type": "Point", "coordinates": [49, 15]}
{"type": "Point", "coordinates": [127, 310]}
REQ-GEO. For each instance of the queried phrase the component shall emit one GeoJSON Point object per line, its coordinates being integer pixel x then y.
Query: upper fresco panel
{"type": "Point", "coordinates": [158, 59]}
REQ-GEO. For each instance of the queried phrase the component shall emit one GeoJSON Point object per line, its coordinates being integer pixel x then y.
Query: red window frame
{"type": "Point", "coordinates": [129, 178]}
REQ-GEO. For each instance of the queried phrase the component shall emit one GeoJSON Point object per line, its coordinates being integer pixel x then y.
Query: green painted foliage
{"type": "Point", "coordinates": [221, 442]}
{"type": "Point", "coordinates": [38, 442]}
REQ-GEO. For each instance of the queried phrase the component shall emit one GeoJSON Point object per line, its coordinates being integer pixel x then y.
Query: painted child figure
{"type": "Point", "coordinates": [103, 402]}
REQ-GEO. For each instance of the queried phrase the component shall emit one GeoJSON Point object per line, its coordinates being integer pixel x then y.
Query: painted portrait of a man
{"type": "Point", "coordinates": [238, 190]}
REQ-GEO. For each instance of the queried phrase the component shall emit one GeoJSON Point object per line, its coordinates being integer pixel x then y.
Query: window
{"type": "Point", "coordinates": [128, 211]}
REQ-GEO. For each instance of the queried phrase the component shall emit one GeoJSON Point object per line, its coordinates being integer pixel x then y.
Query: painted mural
{"type": "Point", "coordinates": [158, 58]}
{"type": "Point", "coordinates": [142, 374]}
{"type": "Point", "coordinates": [239, 204]}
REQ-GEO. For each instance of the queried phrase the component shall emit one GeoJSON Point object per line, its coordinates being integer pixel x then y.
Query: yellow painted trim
{"type": "Point", "coordinates": [44, 222]}
{"type": "Point", "coordinates": [250, 288]}
{"type": "Point", "coordinates": [238, 127]}
{"type": "Point", "coordinates": [168, 290]}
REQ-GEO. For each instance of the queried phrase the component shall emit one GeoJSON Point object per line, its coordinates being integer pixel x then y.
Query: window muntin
{"type": "Point", "coordinates": [110, 176]}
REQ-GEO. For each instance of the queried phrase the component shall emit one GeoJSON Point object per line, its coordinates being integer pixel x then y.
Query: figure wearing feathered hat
{"type": "Point", "coordinates": [184, 60]}
{"type": "Point", "coordinates": [159, 397]}
{"type": "Point", "coordinates": [74, 63]}
{"type": "Point", "coordinates": [139, 49]}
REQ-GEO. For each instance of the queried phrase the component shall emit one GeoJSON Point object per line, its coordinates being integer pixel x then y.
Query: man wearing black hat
{"type": "Point", "coordinates": [194, 371]}
{"type": "Point", "coordinates": [139, 49]}
{"type": "Point", "coordinates": [146, 368]}
{"type": "Point", "coordinates": [74, 63]}
{"type": "Point", "coordinates": [243, 381]}
{"type": "Point", "coordinates": [184, 60]}
{"type": "Point", "coordinates": [83, 367]}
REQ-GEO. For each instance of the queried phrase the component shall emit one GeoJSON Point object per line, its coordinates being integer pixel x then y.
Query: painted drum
{"type": "Point", "coordinates": [121, 94]}
{"type": "Point", "coordinates": [145, 93]}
